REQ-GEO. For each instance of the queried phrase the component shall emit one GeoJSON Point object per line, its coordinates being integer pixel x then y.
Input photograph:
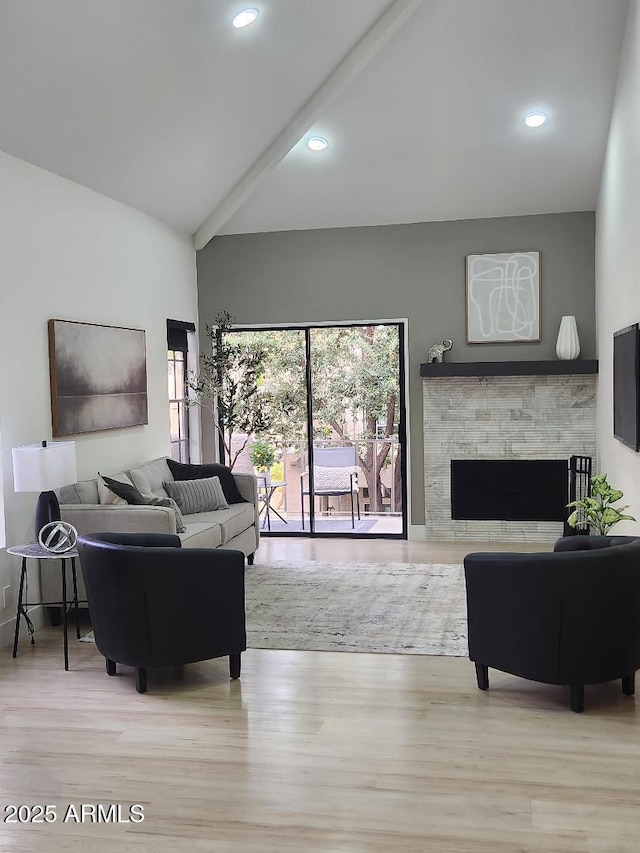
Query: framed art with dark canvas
{"type": "Point", "coordinates": [98, 377]}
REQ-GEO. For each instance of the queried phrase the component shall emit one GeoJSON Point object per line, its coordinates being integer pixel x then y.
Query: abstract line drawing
{"type": "Point", "coordinates": [98, 377]}
{"type": "Point", "coordinates": [503, 297]}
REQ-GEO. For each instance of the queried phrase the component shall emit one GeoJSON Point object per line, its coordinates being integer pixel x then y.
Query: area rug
{"type": "Point", "coordinates": [393, 608]}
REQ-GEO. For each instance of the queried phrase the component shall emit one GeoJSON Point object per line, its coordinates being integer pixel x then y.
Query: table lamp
{"type": "Point", "coordinates": [42, 468]}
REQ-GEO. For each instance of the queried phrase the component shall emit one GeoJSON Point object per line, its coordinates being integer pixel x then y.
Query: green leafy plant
{"type": "Point", "coordinates": [229, 386]}
{"type": "Point", "coordinates": [596, 510]}
{"type": "Point", "coordinates": [262, 455]}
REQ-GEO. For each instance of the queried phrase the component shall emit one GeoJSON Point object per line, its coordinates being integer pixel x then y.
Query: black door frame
{"type": "Point", "coordinates": [306, 328]}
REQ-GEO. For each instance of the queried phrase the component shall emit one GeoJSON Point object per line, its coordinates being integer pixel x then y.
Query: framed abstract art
{"type": "Point", "coordinates": [98, 377]}
{"type": "Point", "coordinates": [503, 298]}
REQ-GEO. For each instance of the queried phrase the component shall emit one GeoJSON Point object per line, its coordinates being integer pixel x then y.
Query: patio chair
{"type": "Point", "coordinates": [335, 473]}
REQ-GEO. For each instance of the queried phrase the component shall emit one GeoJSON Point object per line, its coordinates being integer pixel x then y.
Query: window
{"type": "Point", "coordinates": [177, 343]}
{"type": "Point", "coordinates": [177, 406]}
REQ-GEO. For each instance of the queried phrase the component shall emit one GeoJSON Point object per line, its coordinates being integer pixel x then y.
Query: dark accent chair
{"type": "Point", "coordinates": [154, 604]}
{"type": "Point", "coordinates": [571, 616]}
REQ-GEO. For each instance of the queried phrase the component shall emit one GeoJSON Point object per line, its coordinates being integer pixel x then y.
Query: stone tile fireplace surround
{"type": "Point", "coordinates": [521, 414]}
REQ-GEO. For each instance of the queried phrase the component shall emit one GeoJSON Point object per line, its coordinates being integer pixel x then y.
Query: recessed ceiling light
{"type": "Point", "coordinates": [535, 119]}
{"type": "Point", "coordinates": [244, 18]}
{"type": "Point", "coordinates": [317, 143]}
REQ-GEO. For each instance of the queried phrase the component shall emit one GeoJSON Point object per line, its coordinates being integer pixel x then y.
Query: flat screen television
{"type": "Point", "coordinates": [626, 375]}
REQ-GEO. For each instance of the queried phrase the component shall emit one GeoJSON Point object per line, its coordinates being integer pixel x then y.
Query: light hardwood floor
{"type": "Point", "coordinates": [315, 751]}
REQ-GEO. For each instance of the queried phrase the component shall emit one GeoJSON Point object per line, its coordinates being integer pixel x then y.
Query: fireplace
{"type": "Point", "coordinates": [510, 413]}
{"type": "Point", "coordinates": [509, 489]}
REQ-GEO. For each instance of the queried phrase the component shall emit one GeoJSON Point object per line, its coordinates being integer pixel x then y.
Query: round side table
{"type": "Point", "coordinates": [34, 551]}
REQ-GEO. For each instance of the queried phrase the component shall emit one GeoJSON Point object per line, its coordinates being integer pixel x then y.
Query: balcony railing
{"type": "Point", "coordinates": [379, 478]}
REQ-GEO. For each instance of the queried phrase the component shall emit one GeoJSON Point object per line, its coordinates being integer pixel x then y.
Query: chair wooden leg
{"type": "Point", "coordinates": [250, 558]}
{"type": "Point", "coordinates": [629, 684]}
{"type": "Point", "coordinates": [141, 679]}
{"type": "Point", "coordinates": [234, 665]}
{"type": "Point", "coordinates": [482, 676]}
{"type": "Point", "coordinates": [577, 698]}
{"type": "Point", "coordinates": [111, 666]}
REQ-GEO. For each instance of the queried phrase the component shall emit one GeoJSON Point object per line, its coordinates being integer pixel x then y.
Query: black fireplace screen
{"type": "Point", "coordinates": [509, 490]}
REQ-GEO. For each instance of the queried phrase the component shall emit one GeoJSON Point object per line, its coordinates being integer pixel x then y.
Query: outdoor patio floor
{"type": "Point", "coordinates": [373, 525]}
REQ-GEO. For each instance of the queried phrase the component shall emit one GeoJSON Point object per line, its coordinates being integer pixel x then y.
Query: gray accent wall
{"type": "Point", "coordinates": [414, 271]}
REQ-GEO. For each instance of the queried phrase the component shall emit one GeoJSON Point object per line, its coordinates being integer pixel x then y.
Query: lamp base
{"type": "Point", "coordinates": [47, 510]}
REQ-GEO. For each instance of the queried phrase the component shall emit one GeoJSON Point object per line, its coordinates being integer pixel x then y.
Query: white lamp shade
{"type": "Point", "coordinates": [41, 469]}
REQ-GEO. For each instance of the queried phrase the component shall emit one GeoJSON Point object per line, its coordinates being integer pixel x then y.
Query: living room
{"type": "Point", "coordinates": [74, 253]}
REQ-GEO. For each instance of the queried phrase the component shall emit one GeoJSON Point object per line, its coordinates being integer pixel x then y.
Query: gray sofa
{"type": "Point", "coordinates": [237, 527]}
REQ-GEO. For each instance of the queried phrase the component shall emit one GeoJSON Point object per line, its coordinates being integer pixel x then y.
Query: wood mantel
{"type": "Point", "coordinates": [509, 368]}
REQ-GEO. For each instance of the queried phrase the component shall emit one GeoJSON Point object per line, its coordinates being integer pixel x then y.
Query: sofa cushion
{"type": "Point", "coordinates": [184, 471]}
{"type": "Point", "coordinates": [130, 495]}
{"type": "Point", "coordinates": [197, 495]}
{"type": "Point", "coordinates": [201, 535]}
{"type": "Point", "coordinates": [149, 478]}
{"type": "Point", "coordinates": [84, 492]}
{"type": "Point", "coordinates": [231, 521]}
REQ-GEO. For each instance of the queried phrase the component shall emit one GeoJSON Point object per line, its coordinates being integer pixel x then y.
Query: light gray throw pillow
{"type": "Point", "coordinates": [202, 495]}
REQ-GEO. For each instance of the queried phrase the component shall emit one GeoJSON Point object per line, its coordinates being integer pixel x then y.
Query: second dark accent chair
{"type": "Point", "coordinates": [571, 616]}
{"type": "Point", "coordinates": [154, 604]}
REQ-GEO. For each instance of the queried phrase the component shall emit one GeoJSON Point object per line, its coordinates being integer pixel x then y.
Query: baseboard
{"type": "Point", "coordinates": [7, 629]}
{"type": "Point", "coordinates": [417, 533]}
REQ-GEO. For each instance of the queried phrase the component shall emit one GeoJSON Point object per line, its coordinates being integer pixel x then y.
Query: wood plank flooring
{"type": "Point", "coordinates": [315, 751]}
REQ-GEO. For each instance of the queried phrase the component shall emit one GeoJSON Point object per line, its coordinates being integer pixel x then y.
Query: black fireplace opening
{"type": "Point", "coordinates": [509, 489]}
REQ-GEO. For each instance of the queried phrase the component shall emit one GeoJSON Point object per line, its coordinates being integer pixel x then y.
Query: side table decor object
{"type": "Point", "coordinates": [58, 537]}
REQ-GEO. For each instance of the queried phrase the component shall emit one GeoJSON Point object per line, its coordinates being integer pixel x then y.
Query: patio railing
{"type": "Point", "coordinates": [379, 477]}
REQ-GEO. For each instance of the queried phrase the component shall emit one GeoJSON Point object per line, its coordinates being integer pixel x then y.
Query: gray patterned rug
{"type": "Point", "coordinates": [405, 608]}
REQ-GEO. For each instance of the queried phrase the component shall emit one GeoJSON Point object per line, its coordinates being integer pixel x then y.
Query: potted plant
{"type": "Point", "coordinates": [597, 510]}
{"type": "Point", "coordinates": [262, 456]}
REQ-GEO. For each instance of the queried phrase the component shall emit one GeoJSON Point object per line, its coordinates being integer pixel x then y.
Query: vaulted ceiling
{"type": "Point", "coordinates": [165, 106]}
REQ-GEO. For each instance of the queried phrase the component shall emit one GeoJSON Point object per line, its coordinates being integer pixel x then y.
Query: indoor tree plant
{"type": "Point", "coordinates": [597, 510]}
{"type": "Point", "coordinates": [229, 386]}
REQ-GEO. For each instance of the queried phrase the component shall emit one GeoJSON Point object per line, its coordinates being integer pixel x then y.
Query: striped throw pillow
{"type": "Point", "coordinates": [202, 495]}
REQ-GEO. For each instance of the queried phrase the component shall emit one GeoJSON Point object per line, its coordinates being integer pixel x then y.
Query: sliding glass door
{"type": "Point", "coordinates": [326, 430]}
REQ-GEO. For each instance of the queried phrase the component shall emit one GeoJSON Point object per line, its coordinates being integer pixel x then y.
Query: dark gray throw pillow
{"type": "Point", "coordinates": [185, 471]}
{"type": "Point", "coordinates": [124, 490]}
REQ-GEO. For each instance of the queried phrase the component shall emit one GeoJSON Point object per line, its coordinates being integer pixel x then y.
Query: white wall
{"type": "Point", "coordinates": [617, 270]}
{"type": "Point", "coordinates": [69, 253]}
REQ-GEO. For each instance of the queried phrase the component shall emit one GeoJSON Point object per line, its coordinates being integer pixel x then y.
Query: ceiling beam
{"type": "Point", "coordinates": [353, 63]}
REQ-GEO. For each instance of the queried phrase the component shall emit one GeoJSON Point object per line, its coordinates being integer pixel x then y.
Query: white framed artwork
{"type": "Point", "coordinates": [503, 298]}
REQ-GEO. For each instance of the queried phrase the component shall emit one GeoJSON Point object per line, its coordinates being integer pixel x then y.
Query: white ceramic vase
{"type": "Point", "coordinates": [568, 343]}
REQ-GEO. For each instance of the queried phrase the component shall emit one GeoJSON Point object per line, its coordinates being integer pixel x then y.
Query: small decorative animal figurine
{"type": "Point", "coordinates": [438, 350]}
